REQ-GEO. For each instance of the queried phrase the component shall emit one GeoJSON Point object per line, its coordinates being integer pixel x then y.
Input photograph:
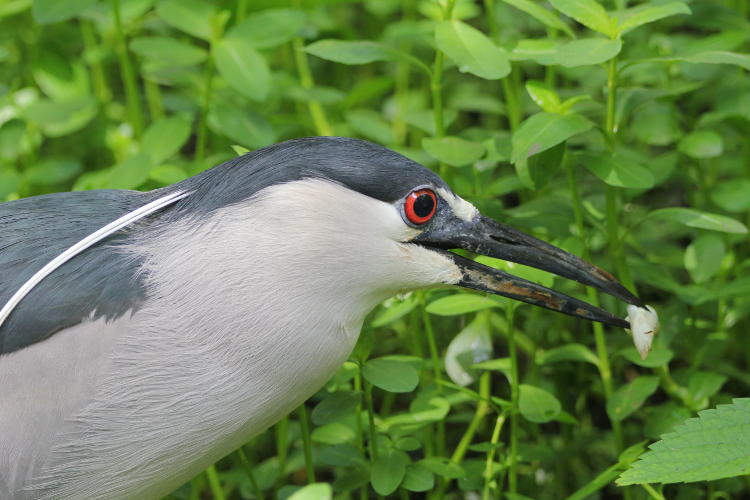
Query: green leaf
{"type": "Point", "coordinates": [460, 303]}
{"type": "Point", "coordinates": [59, 118]}
{"type": "Point", "coordinates": [719, 57]}
{"type": "Point", "coordinates": [393, 310]}
{"type": "Point", "coordinates": [712, 446]}
{"type": "Point", "coordinates": [472, 345]}
{"type": "Point", "coordinates": [370, 124]}
{"type": "Point", "coordinates": [10, 181]}
{"type": "Point", "coordinates": [194, 17]}
{"type": "Point", "coordinates": [544, 96]}
{"type": "Point", "coordinates": [341, 455]}
{"type": "Point", "coordinates": [702, 144]}
{"type": "Point", "coordinates": [544, 16]}
{"type": "Point", "coordinates": [542, 51]}
{"type": "Point", "coordinates": [244, 69]}
{"type": "Point", "coordinates": [391, 375]}
{"type": "Point", "coordinates": [269, 28]}
{"type": "Point", "coordinates": [542, 131]}
{"type": "Point", "coordinates": [631, 19]}
{"type": "Point", "coordinates": [165, 51]}
{"type": "Point", "coordinates": [536, 172]}
{"type": "Point", "coordinates": [388, 471]}
{"type": "Point", "coordinates": [701, 220]}
{"type": "Point", "coordinates": [60, 78]}
{"type": "Point", "coordinates": [587, 51]}
{"type": "Point", "coordinates": [471, 50]}
{"type": "Point", "coordinates": [732, 195]}
{"type": "Point", "coordinates": [360, 52]}
{"type": "Point", "coordinates": [418, 478]}
{"type": "Point", "coordinates": [50, 172]}
{"type": "Point", "coordinates": [616, 170]}
{"type": "Point", "coordinates": [335, 406]}
{"type": "Point", "coordinates": [536, 404]}
{"type": "Point", "coordinates": [165, 137]}
{"type": "Point", "coordinates": [333, 433]}
{"type": "Point", "coordinates": [587, 12]}
{"type": "Point", "coordinates": [454, 151]}
{"type": "Point", "coordinates": [703, 257]}
{"type": "Point", "coordinates": [443, 467]}
{"type": "Point", "coordinates": [568, 352]}
{"type": "Point", "coordinates": [244, 126]}
{"type": "Point", "coordinates": [314, 491]}
{"type": "Point", "coordinates": [658, 356]}
{"type": "Point", "coordinates": [702, 385]}
{"type": "Point", "coordinates": [628, 398]}
{"type": "Point", "coordinates": [53, 11]}
{"type": "Point", "coordinates": [131, 173]}
{"type": "Point", "coordinates": [167, 174]}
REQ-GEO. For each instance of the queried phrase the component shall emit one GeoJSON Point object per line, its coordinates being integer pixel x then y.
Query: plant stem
{"type": "Point", "coordinates": [600, 481]}
{"type": "Point", "coordinates": [306, 442]}
{"type": "Point", "coordinates": [97, 71]}
{"type": "Point", "coordinates": [282, 435]}
{"type": "Point", "coordinates": [479, 414]}
{"type": "Point", "coordinates": [320, 122]}
{"type": "Point", "coordinates": [214, 484]}
{"type": "Point", "coordinates": [208, 73]}
{"type": "Point", "coordinates": [371, 422]}
{"type": "Point", "coordinates": [249, 469]}
{"type": "Point", "coordinates": [241, 10]}
{"type": "Point", "coordinates": [436, 372]}
{"type": "Point", "coordinates": [514, 390]}
{"type": "Point", "coordinates": [132, 98]}
{"type": "Point", "coordinates": [488, 464]}
{"type": "Point", "coordinates": [652, 492]}
{"type": "Point", "coordinates": [153, 97]}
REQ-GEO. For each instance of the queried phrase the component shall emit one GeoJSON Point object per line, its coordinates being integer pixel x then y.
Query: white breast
{"type": "Point", "coordinates": [250, 312]}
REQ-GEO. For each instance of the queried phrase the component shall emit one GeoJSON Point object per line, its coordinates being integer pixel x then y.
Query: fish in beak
{"type": "Point", "coordinates": [481, 235]}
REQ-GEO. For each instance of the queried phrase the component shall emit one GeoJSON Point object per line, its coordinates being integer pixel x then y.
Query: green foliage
{"type": "Point", "coordinates": [615, 129]}
{"type": "Point", "coordinates": [712, 446]}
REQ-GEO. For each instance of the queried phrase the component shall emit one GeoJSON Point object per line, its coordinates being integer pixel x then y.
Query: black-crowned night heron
{"type": "Point", "coordinates": [146, 335]}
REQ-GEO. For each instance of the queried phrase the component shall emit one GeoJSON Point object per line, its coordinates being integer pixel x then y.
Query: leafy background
{"type": "Point", "coordinates": [617, 130]}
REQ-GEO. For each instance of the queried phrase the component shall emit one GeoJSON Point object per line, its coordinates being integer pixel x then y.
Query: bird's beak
{"type": "Point", "coordinates": [484, 236]}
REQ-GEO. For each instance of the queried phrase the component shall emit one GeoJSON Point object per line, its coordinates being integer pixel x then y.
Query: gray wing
{"type": "Point", "coordinates": [100, 282]}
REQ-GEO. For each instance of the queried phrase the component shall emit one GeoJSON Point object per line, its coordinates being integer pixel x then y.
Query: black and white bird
{"type": "Point", "coordinates": [145, 335]}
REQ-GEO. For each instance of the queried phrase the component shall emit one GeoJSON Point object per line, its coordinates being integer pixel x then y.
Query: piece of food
{"type": "Point", "coordinates": [644, 324]}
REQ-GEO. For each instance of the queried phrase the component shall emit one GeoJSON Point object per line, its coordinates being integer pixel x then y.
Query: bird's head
{"type": "Point", "coordinates": [355, 208]}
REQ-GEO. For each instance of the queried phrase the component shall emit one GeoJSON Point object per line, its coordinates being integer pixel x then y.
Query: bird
{"type": "Point", "coordinates": [145, 335]}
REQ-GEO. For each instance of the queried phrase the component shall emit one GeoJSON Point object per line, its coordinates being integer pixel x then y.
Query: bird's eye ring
{"type": "Point", "coordinates": [420, 206]}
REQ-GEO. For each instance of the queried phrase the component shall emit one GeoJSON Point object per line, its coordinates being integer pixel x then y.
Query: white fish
{"type": "Point", "coordinates": [644, 324]}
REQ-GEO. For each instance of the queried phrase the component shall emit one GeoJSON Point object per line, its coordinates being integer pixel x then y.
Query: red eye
{"type": "Point", "coordinates": [420, 206]}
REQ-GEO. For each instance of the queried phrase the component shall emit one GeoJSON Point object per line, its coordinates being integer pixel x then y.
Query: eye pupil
{"type": "Point", "coordinates": [423, 205]}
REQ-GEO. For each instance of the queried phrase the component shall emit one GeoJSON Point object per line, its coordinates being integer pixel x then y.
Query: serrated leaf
{"type": "Point", "coordinates": [587, 52]}
{"type": "Point", "coordinates": [542, 131]}
{"type": "Point", "coordinates": [244, 69]}
{"type": "Point", "coordinates": [460, 303]}
{"type": "Point", "coordinates": [631, 19]}
{"type": "Point", "coordinates": [701, 220]}
{"type": "Point", "coordinates": [590, 13]}
{"type": "Point", "coordinates": [542, 15]}
{"type": "Point", "coordinates": [616, 170]}
{"type": "Point", "coordinates": [454, 151]}
{"type": "Point", "coordinates": [628, 398]}
{"type": "Point", "coordinates": [714, 445]}
{"type": "Point", "coordinates": [471, 50]}
{"type": "Point", "coordinates": [536, 404]}
{"type": "Point", "coordinates": [391, 375]}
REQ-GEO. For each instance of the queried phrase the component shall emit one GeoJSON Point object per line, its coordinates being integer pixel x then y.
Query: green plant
{"type": "Point", "coordinates": [616, 130]}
